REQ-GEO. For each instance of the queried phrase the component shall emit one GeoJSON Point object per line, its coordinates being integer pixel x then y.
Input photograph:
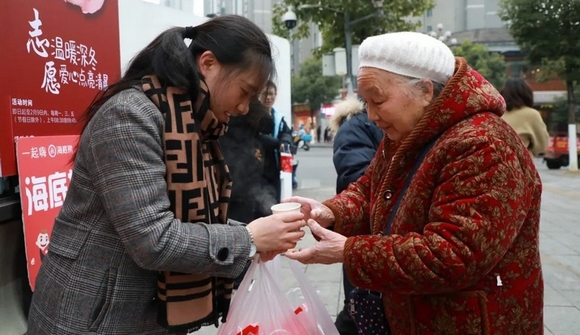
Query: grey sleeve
{"type": "Point", "coordinates": [236, 223]}
{"type": "Point", "coordinates": [128, 172]}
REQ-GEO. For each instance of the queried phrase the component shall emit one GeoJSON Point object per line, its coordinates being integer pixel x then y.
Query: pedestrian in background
{"type": "Point", "coordinates": [521, 115]}
{"type": "Point", "coordinates": [275, 136]}
{"type": "Point", "coordinates": [355, 144]}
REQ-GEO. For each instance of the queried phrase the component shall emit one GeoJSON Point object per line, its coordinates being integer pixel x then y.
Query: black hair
{"type": "Point", "coordinates": [517, 94]}
{"type": "Point", "coordinates": [236, 42]}
{"type": "Point", "coordinates": [271, 84]}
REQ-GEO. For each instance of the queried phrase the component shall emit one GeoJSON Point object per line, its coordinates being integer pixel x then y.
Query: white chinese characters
{"type": "Point", "coordinates": [52, 151]}
{"type": "Point", "coordinates": [46, 192]}
{"type": "Point", "coordinates": [22, 114]}
{"type": "Point", "coordinates": [39, 46]}
{"type": "Point", "coordinates": [50, 84]}
{"type": "Point", "coordinates": [80, 57]}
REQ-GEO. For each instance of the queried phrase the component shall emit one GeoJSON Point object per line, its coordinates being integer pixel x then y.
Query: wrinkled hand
{"type": "Point", "coordinates": [328, 250]}
{"type": "Point", "coordinates": [277, 232]}
{"type": "Point", "coordinates": [314, 210]}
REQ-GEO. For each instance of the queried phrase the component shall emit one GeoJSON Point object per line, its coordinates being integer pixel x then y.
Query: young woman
{"type": "Point", "coordinates": [143, 244]}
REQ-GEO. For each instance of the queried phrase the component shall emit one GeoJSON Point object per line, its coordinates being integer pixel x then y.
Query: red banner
{"type": "Point", "coordinates": [58, 55]}
{"type": "Point", "coordinates": [44, 171]}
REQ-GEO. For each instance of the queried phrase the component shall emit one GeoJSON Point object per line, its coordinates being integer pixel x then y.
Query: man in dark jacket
{"type": "Point", "coordinates": [355, 145]}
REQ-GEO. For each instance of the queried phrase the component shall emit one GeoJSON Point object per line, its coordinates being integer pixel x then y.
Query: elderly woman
{"type": "Point", "coordinates": [445, 221]}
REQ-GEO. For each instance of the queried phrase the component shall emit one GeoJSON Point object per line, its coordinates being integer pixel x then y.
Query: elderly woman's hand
{"type": "Point", "coordinates": [314, 210]}
{"type": "Point", "coordinates": [328, 250]}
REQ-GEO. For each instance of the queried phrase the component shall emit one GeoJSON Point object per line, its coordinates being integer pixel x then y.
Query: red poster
{"type": "Point", "coordinates": [44, 171]}
{"type": "Point", "coordinates": [57, 56]}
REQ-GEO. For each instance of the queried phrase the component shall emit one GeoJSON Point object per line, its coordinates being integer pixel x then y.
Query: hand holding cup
{"type": "Point", "coordinates": [277, 232]}
{"type": "Point", "coordinates": [314, 210]}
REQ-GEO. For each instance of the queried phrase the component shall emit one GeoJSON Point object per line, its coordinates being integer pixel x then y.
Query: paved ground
{"type": "Point", "coordinates": [559, 238]}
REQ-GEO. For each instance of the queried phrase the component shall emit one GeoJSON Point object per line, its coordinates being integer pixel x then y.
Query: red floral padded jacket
{"type": "Point", "coordinates": [462, 256]}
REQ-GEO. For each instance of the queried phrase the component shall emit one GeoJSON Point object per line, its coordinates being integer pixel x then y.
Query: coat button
{"type": "Point", "coordinates": [388, 194]}
{"type": "Point", "coordinates": [223, 254]}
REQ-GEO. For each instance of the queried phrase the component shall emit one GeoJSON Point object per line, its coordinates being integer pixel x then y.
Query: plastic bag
{"type": "Point", "coordinates": [308, 306]}
{"type": "Point", "coordinates": [261, 307]}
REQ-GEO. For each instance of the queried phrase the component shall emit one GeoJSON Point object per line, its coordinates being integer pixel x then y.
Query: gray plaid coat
{"type": "Point", "coordinates": [115, 231]}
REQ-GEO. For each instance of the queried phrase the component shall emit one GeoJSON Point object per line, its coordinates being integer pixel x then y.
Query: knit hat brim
{"type": "Point", "coordinates": [409, 54]}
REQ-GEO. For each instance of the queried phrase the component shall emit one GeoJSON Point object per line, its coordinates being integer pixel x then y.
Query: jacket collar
{"type": "Point", "coordinates": [344, 111]}
{"type": "Point", "coordinates": [465, 94]}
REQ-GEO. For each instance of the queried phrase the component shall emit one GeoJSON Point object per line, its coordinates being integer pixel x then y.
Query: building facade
{"type": "Point", "coordinates": [460, 15]}
{"type": "Point", "coordinates": [478, 21]}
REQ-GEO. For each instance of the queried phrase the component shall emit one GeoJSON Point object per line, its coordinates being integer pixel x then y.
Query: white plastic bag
{"type": "Point", "coordinates": [309, 307]}
{"type": "Point", "coordinates": [261, 307]}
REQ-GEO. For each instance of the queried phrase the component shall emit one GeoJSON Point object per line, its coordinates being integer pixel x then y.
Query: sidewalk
{"type": "Point", "coordinates": [321, 145]}
{"type": "Point", "coordinates": [560, 250]}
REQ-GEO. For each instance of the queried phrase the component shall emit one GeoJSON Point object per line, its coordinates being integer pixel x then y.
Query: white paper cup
{"type": "Point", "coordinates": [286, 207]}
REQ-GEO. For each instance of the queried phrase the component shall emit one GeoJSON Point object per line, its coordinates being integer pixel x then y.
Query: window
{"type": "Point", "coordinates": [429, 12]}
{"type": "Point", "coordinates": [429, 28]}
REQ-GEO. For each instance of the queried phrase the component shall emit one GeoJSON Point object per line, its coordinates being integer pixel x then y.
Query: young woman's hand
{"type": "Point", "coordinates": [278, 231]}
{"type": "Point", "coordinates": [314, 210]}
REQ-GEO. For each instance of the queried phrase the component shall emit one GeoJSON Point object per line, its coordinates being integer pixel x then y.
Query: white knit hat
{"type": "Point", "coordinates": [409, 54]}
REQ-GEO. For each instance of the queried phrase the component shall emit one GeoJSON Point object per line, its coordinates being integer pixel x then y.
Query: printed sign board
{"type": "Point", "coordinates": [60, 55]}
{"type": "Point", "coordinates": [44, 171]}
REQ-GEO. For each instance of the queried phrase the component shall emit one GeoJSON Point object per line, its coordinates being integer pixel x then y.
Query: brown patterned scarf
{"type": "Point", "coordinates": [199, 186]}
